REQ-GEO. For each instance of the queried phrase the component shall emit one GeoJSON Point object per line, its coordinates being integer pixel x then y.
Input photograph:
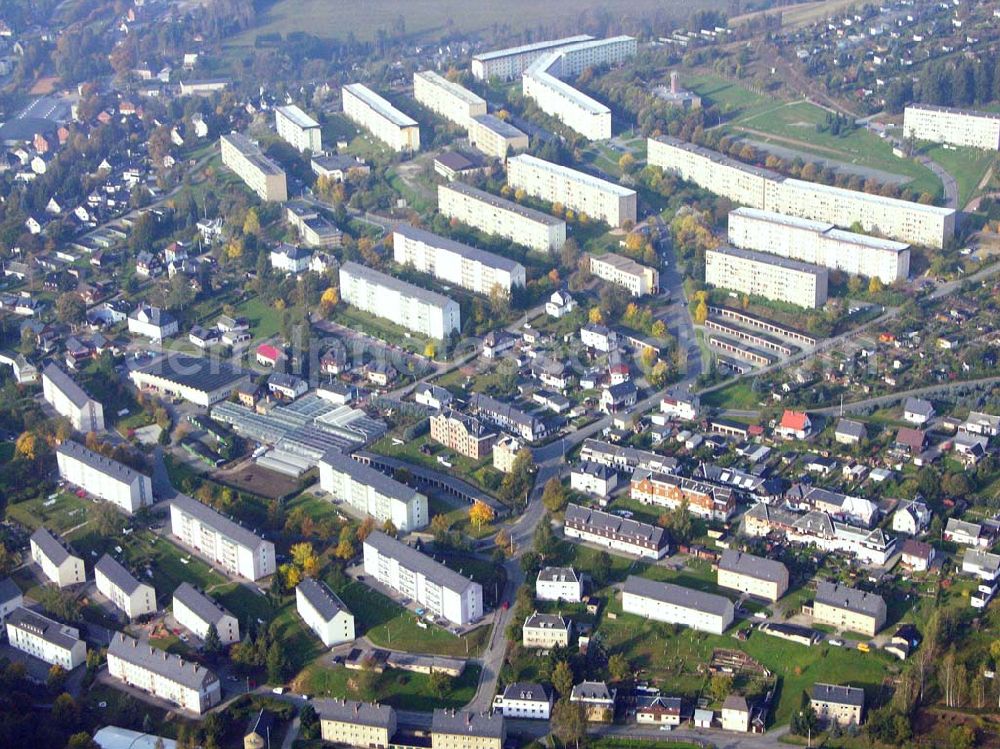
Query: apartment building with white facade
{"type": "Point", "coordinates": [190, 686]}
{"type": "Point", "coordinates": [370, 491]}
{"type": "Point", "coordinates": [820, 243]}
{"type": "Point", "coordinates": [261, 174]}
{"type": "Point", "coordinates": [616, 533]}
{"type": "Point", "coordinates": [638, 279]}
{"type": "Point", "coordinates": [425, 312]}
{"type": "Point", "coordinates": [442, 591]}
{"type": "Point", "coordinates": [223, 541]}
{"type": "Point", "coordinates": [45, 639]}
{"type": "Point", "coordinates": [361, 724]}
{"type": "Point", "coordinates": [770, 276]}
{"type": "Point", "coordinates": [508, 64]}
{"type": "Point", "coordinates": [298, 129]}
{"type": "Point", "coordinates": [104, 478]}
{"type": "Point", "coordinates": [666, 602]}
{"type": "Point", "coordinates": [121, 587]}
{"type": "Point", "coordinates": [505, 218]}
{"type": "Point", "coordinates": [323, 612]}
{"type": "Point", "coordinates": [70, 400]}
{"type": "Point", "coordinates": [455, 263]}
{"type": "Point", "coordinates": [558, 584]}
{"type": "Point", "coordinates": [583, 193]}
{"type": "Point", "coordinates": [524, 700]}
{"type": "Point", "coordinates": [197, 612]}
{"type": "Point", "coordinates": [849, 609]}
{"type": "Point", "coordinates": [11, 598]}
{"type": "Point", "coordinates": [756, 576]}
{"type": "Point", "coordinates": [958, 127]}
{"type": "Point", "coordinates": [767, 190]}
{"type": "Point", "coordinates": [494, 137]}
{"type": "Point", "coordinates": [369, 110]}
{"type": "Point", "coordinates": [446, 98]}
{"type": "Point", "coordinates": [59, 563]}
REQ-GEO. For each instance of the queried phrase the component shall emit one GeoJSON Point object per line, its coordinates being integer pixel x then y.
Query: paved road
{"type": "Point", "coordinates": [885, 400]}
{"type": "Point", "coordinates": [947, 180]}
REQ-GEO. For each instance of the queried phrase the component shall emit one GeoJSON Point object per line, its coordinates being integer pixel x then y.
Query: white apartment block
{"type": "Point", "coordinates": [372, 492]}
{"type": "Point", "coordinates": [546, 631]}
{"type": "Point", "coordinates": [442, 591]}
{"type": "Point", "coordinates": [323, 612]}
{"type": "Point", "coordinates": [494, 137]}
{"type": "Point", "coordinates": [767, 190]}
{"type": "Point", "coordinates": [69, 400]}
{"type": "Point", "coordinates": [369, 110]}
{"type": "Point", "coordinates": [447, 99]}
{"type": "Point", "coordinates": [508, 64]}
{"type": "Point", "coordinates": [959, 127]}
{"type": "Point", "coordinates": [425, 312]}
{"type": "Point", "coordinates": [260, 174]}
{"type": "Point", "coordinates": [505, 218]}
{"type": "Point", "coordinates": [524, 700]}
{"type": "Point", "coordinates": [455, 263]}
{"type": "Point", "coordinates": [45, 639]}
{"type": "Point", "coordinates": [559, 584]}
{"type": "Point", "coordinates": [104, 478]}
{"type": "Point", "coordinates": [197, 613]}
{"type": "Point", "coordinates": [225, 543]}
{"type": "Point", "coordinates": [120, 587]}
{"type": "Point", "coordinates": [819, 243]}
{"type": "Point", "coordinates": [598, 198]}
{"type": "Point", "coordinates": [298, 129]}
{"type": "Point", "coordinates": [188, 685]}
{"type": "Point", "coordinates": [622, 271]}
{"type": "Point", "coordinates": [665, 602]}
{"type": "Point", "coordinates": [59, 564]}
{"type": "Point", "coordinates": [361, 724]}
{"type": "Point", "coordinates": [769, 276]}
{"type": "Point", "coordinates": [11, 598]}
{"type": "Point", "coordinates": [756, 576]}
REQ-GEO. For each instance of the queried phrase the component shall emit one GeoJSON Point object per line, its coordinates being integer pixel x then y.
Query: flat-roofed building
{"type": "Point", "coordinates": [615, 533]}
{"type": "Point", "coordinates": [372, 492]}
{"type": "Point", "coordinates": [508, 64]}
{"type": "Point", "coordinates": [494, 137]}
{"type": "Point", "coordinates": [425, 312]}
{"type": "Point", "coordinates": [104, 478]}
{"type": "Point", "coordinates": [198, 613]}
{"type": "Point", "coordinates": [45, 639]}
{"type": "Point", "coordinates": [598, 198]}
{"type": "Point", "coordinates": [559, 584]}
{"type": "Point", "coordinates": [120, 587]}
{"type": "Point", "coordinates": [190, 686]}
{"type": "Point", "coordinates": [465, 729]}
{"type": "Point", "coordinates": [323, 612]}
{"type": "Point", "coordinates": [756, 576]}
{"type": "Point", "coordinates": [820, 243]}
{"type": "Point", "coordinates": [260, 174]}
{"type": "Point", "coordinates": [769, 276]}
{"type": "Point", "coordinates": [843, 705]}
{"type": "Point", "coordinates": [350, 723]}
{"type": "Point", "coordinates": [546, 631]}
{"type": "Point", "coordinates": [70, 400]}
{"type": "Point", "coordinates": [464, 434]}
{"type": "Point", "coordinates": [958, 127]}
{"type": "Point", "coordinates": [446, 98]}
{"type": "Point", "coordinates": [338, 167]}
{"type": "Point", "coordinates": [638, 279]}
{"type": "Point", "coordinates": [369, 110]}
{"type": "Point", "coordinates": [415, 575]}
{"type": "Point", "coordinates": [455, 263]}
{"type": "Point", "coordinates": [849, 609]}
{"type": "Point", "coordinates": [494, 215]}
{"type": "Point", "coordinates": [666, 602]}
{"type": "Point", "coordinates": [198, 380]}
{"type": "Point", "coordinates": [297, 128]}
{"type": "Point", "coordinates": [58, 562]}
{"type": "Point", "coordinates": [235, 549]}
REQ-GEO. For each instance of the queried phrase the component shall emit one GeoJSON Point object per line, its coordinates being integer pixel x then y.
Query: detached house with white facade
{"type": "Point", "coordinates": [196, 612]}
{"type": "Point", "coordinates": [59, 564]}
{"type": "Point", "coordinates": [323, 612]}
{"type": "Point", "coordinates": [120, 587]}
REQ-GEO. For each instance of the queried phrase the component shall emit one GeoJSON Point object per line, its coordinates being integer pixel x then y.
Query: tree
{"type": "Point", "coordinates": [627, 163]}
{"type": "Point", "coordinates": [213, 643]}
{"type": "Point", "coordinates": [82, 740]}
{"type": "Point", "coordinates": [595, 315]}
{"type": "Point", "coordinates": [65, 711]}
{"type": "Point", "coordinates": [658, 374]}
{"type": "Point", "coordinates": [619, 668]}
{"type": "Point", "coordinates": [602, 568]}
{"type": "Point", "coordinates": [309, 725]}
{"type": "Point", "coordinates": [659, 329]}
{"type": "Point", "coordinates": [56, 679]}
{"type": "Point", "coordinates": [330, 299]}
{"type": "Point", "coordinates": [874, 285]}
{"type": "Point", "coordinates": [251, 224]}
{"type": "Point", "coordinates": [26, 446]}
{"type": "Point", "coordinates": [700, 312]}
{"type": "Point", "coordinates": [679, 523]}
{"type": "Point", "coordinates": [365, 529]}
{"type": "Point", "coordinates": [720, 686]}
{"type": "Point", "coordinates": [962, 737]}
{"type": "Point", "coordinates": [180, 295]}
{"type": "Point", "coordinates": [554, 495]}
{"type": "Point", "coordinates": [440, 683]}
{"type": "Point", "coordinates": [107, 520]}
{"type": "Point", "coordinates": [367, 679]}
{"type": "Point", "coordinates": [480, 513]}
{"type": "Point", "coordinates": [277, 663]}
{"type": "Point", "coordinates": [503, 542]}
{"type": "Point", "coordinates": [430, 350]}
{"type": "Point", "coordinates": [305, 558]}
{"type": "Point", "coordinates": [544, 540]}
{"type": "Point", "coordinates": [569, 722]}
{"type": "Point", "coordinates": [562, 679]}
{"type": "Point", "coordinates": [70, 308]}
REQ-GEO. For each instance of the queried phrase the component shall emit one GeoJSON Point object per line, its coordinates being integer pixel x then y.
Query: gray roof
{"type": "Point", "coordinates": [108, 467]}
{"type": "Point", "coordinates": [918, 406]}
{"type": "Point", "coordinates": [776, 260]}
{"type": "Point", "coordinates": [205, 608]}
{"type": "Point", "coordinates": [377, 278]}
{"type": "Point", "coordinates": [196, 372]}
{"type": "Point", "coordinates": [851, 428]}
{"type": "Point", "coordinates": [380, 105]}
{"type": "Point", "coordinates": [468, 722]}
{"type": "Point", "coordinates": [220, 523]}
{"type": "Point", "coordinates": [368, 476]}
{"type": "Point", "coordinates": [299, 118]}
{"type": "Point", "coordinates": [851, 599]}
{"type": "Point", "coordinates": [321, 598]}
{"type": "Point", "coordinates": [462, 250]}
{"type": "Point", "coordinates": [558, 574]}
{"type": "Point", "coordinates": [8, 590]}
{"type": "Point", "coordinates": [498, 126]}
{"type": "Point", "coordinates": [351, 711]}
{"type": "Point", "coordinates": [54, 549]}
{"type": "Point", "coordinates": [335, 162]}
{"type": "Point", "coordinates": [169, 666]}
{"type": "Point", "coordinates": [982, 559]}
{"type": "Point", "coordinates": [546, 621]}
{"type": "Point", "coordinates": [49, 630]}
{"type": "Point", "coordinates": [841, 695]}
{"type": "Point", "coordinates": [497, 202]}
{"type": "Point", "coordinates": [415, 561]}
{"type": "Point", "coordinates": [65, 384]}
{"type": "Point", "coordinates": [590, 690]}
{"type": "Point", "coordinates": [753, 566]}
{"type": "Point", "coordinates": [120, 577]}
{"type": "Point", "coordinates": [678, 595]}
{"type": "Point", "coordinates": [154, 315]}
{"type": "Point", "coordinates": [526, 690]}
{"type": "Point", "coordinates": [571, 175]}
{"type": "Point", "coordinates": [736, 702]}
{"type": "Point", "coordinates": [252, 153]}
{"type": "Point", "coordinates": [482, 402]}
{"type": "Point", "coordinates": [603, 523]}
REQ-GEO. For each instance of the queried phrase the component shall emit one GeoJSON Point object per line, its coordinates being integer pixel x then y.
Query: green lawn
{"type": "Point", "coordinates": [369, 324]}
{"type": "Point", "coordinates": [243, 603]}
{"type": "Point", "coordinates": [738, 396]}
{"type": "Point", "coordinates": [316, 508]}
{"type": "Point", "coordinates": [58, 514]}
{"type": "Point", "coordinates": [477, 472]}
{"type": "Point", "coordinates": [401, 689]}
{"type": "Point", "coordinates": [730, 97]}
{"type": "Point", "coordinates": [264, 321]}
{"type": "Point", "coordinates": [966, 165]}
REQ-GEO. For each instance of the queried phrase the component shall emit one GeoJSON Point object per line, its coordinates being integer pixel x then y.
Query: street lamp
{"type": "Point", "coordinates": [809, 729]}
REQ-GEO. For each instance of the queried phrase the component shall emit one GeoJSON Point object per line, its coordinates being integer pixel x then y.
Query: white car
{"type": "Point", "coordinates": [837, 643]}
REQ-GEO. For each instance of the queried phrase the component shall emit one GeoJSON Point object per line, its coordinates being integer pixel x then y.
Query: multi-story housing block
{"type": "Point", "coordinates": [958, 127]}
{"type": "Point", "coordinates": [770, 276]}
{"type": "Point", "coordinates": [843, 705]}
{"type": "Point", "coordinates": [448, 99]}
{"type": "Point", "coordinates": [493, 215]}
{"type": "Point", "coordinates": [849, 609]}
{"type": "Point", "coordinates": [622, 271]}
{"type": "Point", "coordinates": [506, 416]}
{"type": "Point", "coordinates": [198, 613]}
{"type": "Point", "coordinates": [756, 576]}
{"type": "Point", "coordinates": [260, 174]}
{"type": "Point", "coordinates": [559, 584]}
{"type": "Point", "coordinates": [369, 110]}
{"type": "Point", "coordinates": [546, 631]}
{"type": "Point", "coordinates": [372, 492]}
{"type": "Point", "coordinates": [463, 729]}
{"type": "Point", "coordinates": [710, 501]}
{"type": "Point", "coordinates": [120, 587]}
{"type": "Point", "coordinates": [47, 640]}
{"type": "Point", "coordinates": [665, 602]}
{"type": "Point", "coordinates": [465, 435]}
{"type": "Point", "coordinates": [615, 533]}
{"type": "Point", "coordinates": [104, 478]}
{"type": "Point", "coordinates": [70, 400]}
{"type": "Point", "coordinates": [300, 130]}
{"type": "Point", "coordinates": [494, 137]}
{"type": "Point", "coordinates": [360, 724]}
{"type": "Point", "coordinates": [508, 64]}
{"type": "Point", "coordinates": [323, 612]}
{"type": "Point", "coordinates": [58, 562]}
{"type": "Point", "coordinates": [224, 542]}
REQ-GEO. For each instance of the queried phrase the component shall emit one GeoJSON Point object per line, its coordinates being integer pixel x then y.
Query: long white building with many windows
{"type": "Point", "coordinates": [260, 174]}
{"type": "Point", "coordinates": [298, 129]}
{"type": "Point", "coordinates": [420, 310]}
{"type": "Point", "coordinates": [443, 97]}
{"type": "Point", "coordinates": [666, 602]}
{"type": "Point", "coordinates": [372, 492]}
{"type": "Point", "coordinates": [958, 127]}
{"type": "Point", "coordinates": [455, 263]}
{"type": "Point", "coordinates": [638, 279]}
{"type": "Point", "coordinates": [507, 64]}
{"type": "Point", "coordinates": [120, 587]}
{"type": "Point", "coordinates": [369, 110]}
{"type": "Point", "coordinates": [598, 198]}
{"type": "Point", "coordinates": [494, 137]}
{"type": "Point", "coordinates": [47, 640]}
{"type": "Point", "coordinates": [769, 276]}
{"type": "Point", "coordinates": [104, 478]}
{"type": "Point", "coordinates": [442, 591]}
{"type": "Point", "coordinates": [505, 218]}
{"type": "Point", "coordinates": [69, 400]}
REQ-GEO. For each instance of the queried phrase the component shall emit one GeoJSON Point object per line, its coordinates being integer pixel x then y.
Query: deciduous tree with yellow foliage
{"type": "Point", "coordinates": [480, 513]}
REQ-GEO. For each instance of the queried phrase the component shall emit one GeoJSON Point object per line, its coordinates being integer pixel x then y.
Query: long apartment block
{"type": "Point", "coordinates": [494, 137]}
{"type": "Point", "coordinates": [598, 198]}
{"type": "Point", "coordinates": [414, 308]}
{"type": "Point", "coordinates": [104, 478]}
{"type": "Point", "coordinates": [69, 399]}
{"type": "Point", "coordinates": [443, 97]}
{"type": "Point", "coordinates": [958, 127]}
{"type": "Point", "coordinates": [819, 242]}
{"type": "Point", "coordinates": [372, 492]}
{"type": "Point", "coordinates": [455, 263]}
{"type": "Point", "coordinates": [298, 129]}
{"type": "Point", "coordinates": [364, 107]}
{"type": "Point", "coordinates": [46, 639]}
{"type": "Point", "coordinates": [505, 218]}
{"type": "Point", "coordinates": [675, 604]}
{"type": "Point", "coordinates": [260, 173]}
{"type": "Point", "coordinates": [770, 276]}
{"type": "Point", "coordinates": [767, 190]}
{"type": "Point", "coordinates": [507, 64]}
{"type": "Point", "coordinates": [638, 279]}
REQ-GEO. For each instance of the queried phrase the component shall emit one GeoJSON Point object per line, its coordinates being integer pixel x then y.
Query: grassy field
{"type": "Point", "coordinates": [739, 396]}
{"type": "Point", "coordinates": [264, 321]}
{"type": "Point", "coordinates": [966, 165]}
{"type": "Point", "coordinates": [58, 514]}
{"type": "Point", "coordinates": [798, 15]}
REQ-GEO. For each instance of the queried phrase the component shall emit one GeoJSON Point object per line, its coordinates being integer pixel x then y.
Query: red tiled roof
{"type": "Point", "coordinates": [268, 351]}
{"type": "Point", "coordinates": [794, 420]}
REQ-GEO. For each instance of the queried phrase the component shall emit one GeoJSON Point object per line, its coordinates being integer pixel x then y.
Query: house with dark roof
{"type": "Point", "coordinates": [467, 729]}
{"type": "Point", "coordinates": [849, 609]}
{"type": "Point", "coordinates": [917, 555]}
{"type": "Point", "coordinates": [195, 611]}
{"type": "Point", "coordinates": [598, 700]}
{"type": "Point", "coordinates": [121, 587]}
{"type": "Point", "coordinates": [843, 705]}
{"type": "Point", "coordinates": [615, 533]}
{"type": "Point", "coordinates": [358, 724]}
{"type": "Point", "coordinates": [676, 604]}
{"type": "Point", "coordinates": [323, 612]}
{"type": "Point", "coordinates": [917, 411]}
{"type": "Point", "coordinates": [753, 575]}
{"type": "Point", "coordinates": [525, 700]}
